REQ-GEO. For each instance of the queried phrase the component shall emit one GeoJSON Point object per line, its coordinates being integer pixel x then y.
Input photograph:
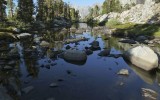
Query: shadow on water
{"type": "Point", "coordinates": [97, 79]}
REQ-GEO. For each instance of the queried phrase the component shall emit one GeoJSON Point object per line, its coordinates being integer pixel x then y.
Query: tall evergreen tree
{"type": "Point", "coordinates": [68, 12]}
{"type": "Point", "coordinates": [72, 14]}
{"type": "Point", "coordinates": [40, 10]}
{"type": "Point", "coordinates": [96, 11]}
{"type": "Point", "coordinates": [25, 10]}
{"type": "Point", "coordinates": [3, 4]}
{"type": "Point", "coordinates": [10, 6]}
{"type": "Point", "coordinates": [60, 7]}
{"type": "Point", "coordinates": [49, 9]}
{"type": "Point", "coordinates": [65, 10]}
{"type": "Point", "coordinates": [111, 6]}
{"type": "Point", "coordinates": [77, 15]}
{"type": "Point", "coordinates": [104, 7]}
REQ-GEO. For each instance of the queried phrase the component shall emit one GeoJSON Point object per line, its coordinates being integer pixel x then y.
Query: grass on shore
{"type": "Point", "coordinates": [134, 29]}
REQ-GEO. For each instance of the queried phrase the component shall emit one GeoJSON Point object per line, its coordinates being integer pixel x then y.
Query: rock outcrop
{"type": "Point", "coordinates": [147, 12]}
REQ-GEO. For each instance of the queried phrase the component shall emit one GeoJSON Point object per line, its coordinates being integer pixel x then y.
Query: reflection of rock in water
{"type": "Point", "coordinates": [148, 77]}
{"type": "Point", "coordinates": [158, 77]}
{"type": "Point", "coordinates": [76, 62]}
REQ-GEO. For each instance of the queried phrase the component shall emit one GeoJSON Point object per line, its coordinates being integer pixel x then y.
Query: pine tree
{"type": "Point", "coordinates": [60, 7]}
{"type": "Point", "coordinates": [10, 6]}
{"type": "Point", "coordinates": [65, 10]}
{"type": "Point", "coordinates": [111, 6]}
{"type": "Point", "coordinates": [104, 7]}
{"type": "Point", "coordinates": [40, 10]}
{"type": "Point", "coordinates": [68, 11]}
{"type": "Point", "coordinates": [72, 14]}
{"type": "Point", "coordinates": [96, 11]}
{"type": "Point", "coordinates": [50, 9]}
{"type": "Point", "coordinates": [25, 11]}
{"type": "Point", "coordinates": [77, 15]}
{"type": "Point", "coordinates": [3, 4]}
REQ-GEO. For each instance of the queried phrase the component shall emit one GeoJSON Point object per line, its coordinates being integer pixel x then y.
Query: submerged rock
{"type": "Point", "coordinates": [123, 72]}
{"type": "Point", "coordinates": [105, 52]}
{"type": "Point", "coordinates": [68, 47]}
{"type": "Point", "coordinates": [149, 94]}
{"type": "Point", "coordinates": [75, 55]}
{"type": "Point", "coordinates": [143, 57]}
{"type": "Point", "coordinates": [27, 89]}
{"type": "Point", "coordinates": [53, 85]}
{"type": "Point", "coordinates": [95, 45]}
{"type": "Point", "coordinates": [89, 52]}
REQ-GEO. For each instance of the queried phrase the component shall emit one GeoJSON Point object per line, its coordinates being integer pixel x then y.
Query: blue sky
{"type": "Point", "coordinates": [84, 2]}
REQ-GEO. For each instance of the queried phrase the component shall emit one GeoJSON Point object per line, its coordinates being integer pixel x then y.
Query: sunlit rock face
{"type": "Point", "coordinates": [124, 2]}
{"type": "Point", "coordinates": [147, 12]}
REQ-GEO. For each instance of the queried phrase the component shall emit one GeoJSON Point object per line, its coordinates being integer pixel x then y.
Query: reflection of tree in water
{"type": "Point", "coordinates": [11, 82]}
{"type": "Point", "coordinates": [27, 43]}
{"type": "Point", "coordinates": [32, 69]}
{"type": "Point", "coordinates": [114, 42]}
{"type": "Point", "coordinates": [52, 36]}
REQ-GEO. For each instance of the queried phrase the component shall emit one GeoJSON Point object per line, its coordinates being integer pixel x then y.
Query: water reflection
{"type": "Point", "coordinates": [148, 77]}
{"type": "Point", "coordinates": [93, 78]}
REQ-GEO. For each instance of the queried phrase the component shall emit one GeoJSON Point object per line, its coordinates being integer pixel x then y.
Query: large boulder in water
{"type": "Point", "coordinates": [143, 57]}
{"type": "Point", "coordinates": [75, 55]}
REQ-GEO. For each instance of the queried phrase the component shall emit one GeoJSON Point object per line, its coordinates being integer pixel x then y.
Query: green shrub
{"type": "Point", "coordinates": [112, 22]}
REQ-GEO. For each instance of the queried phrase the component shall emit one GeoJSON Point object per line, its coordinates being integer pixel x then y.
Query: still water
{"type": "Point", "coordinates": [96, 79]}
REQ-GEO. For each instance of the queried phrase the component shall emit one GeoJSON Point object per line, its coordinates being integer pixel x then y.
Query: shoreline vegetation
{"type": "Point", "coordinates": [133, 29]}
